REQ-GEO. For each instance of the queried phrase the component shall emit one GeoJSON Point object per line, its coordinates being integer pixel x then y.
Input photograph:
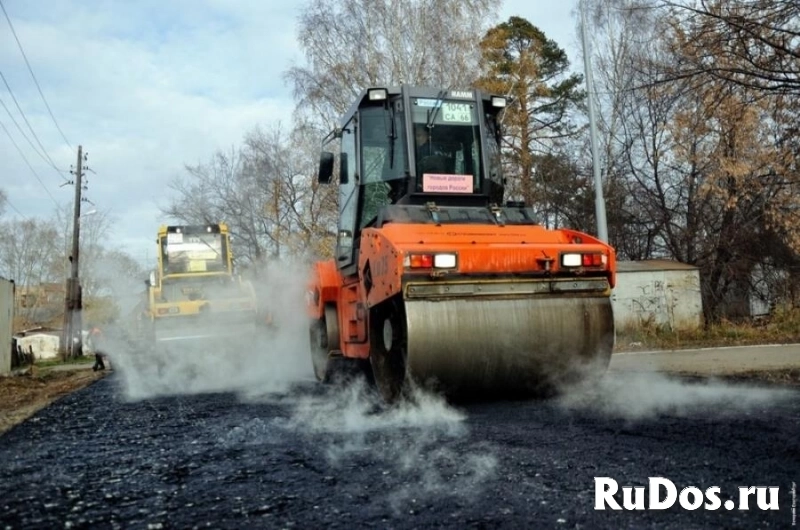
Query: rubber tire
{"type": "Point", "coordinates": [388, 365]}
{"type": "Point", "coordinates": [322, 334]}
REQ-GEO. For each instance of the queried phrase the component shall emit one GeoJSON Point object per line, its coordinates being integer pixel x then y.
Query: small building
{"type": "Point", "coordinates": [663, 293]}
{"type": "Point", "coordinates": [6, 323]}
{"type": "Point", "coordinates": [41, 343]}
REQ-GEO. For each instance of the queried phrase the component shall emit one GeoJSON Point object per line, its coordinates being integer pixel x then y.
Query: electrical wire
{"type": "Point", "coordinates": [2, 103]}
{"type": "Point", "coordinates": [46, 156]}
{"type": "Point", "coordinates": [29, 164]}
{"type": "Point", "coordinates": [39, 88]}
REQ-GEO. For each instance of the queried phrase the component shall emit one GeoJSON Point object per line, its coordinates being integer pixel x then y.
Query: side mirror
{"type": "Point", "coordinates": [325, 167]}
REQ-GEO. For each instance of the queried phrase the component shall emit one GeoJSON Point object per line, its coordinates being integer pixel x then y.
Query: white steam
{"type": "Point", "coordinates": [409, 445]}
{"type": "Point", "coordinates": [269, 360]}
{"type": "Point", "coordinates": [356, 409]}
{"type": "Point", "coordinates": [638, 396]}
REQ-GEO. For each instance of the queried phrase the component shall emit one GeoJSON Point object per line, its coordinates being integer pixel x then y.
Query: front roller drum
{"type": "Point", "coordinates": [478, 348]}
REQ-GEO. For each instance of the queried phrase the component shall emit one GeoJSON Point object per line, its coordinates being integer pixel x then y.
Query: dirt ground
{"type": "Point", "coordinates": [21, 396]}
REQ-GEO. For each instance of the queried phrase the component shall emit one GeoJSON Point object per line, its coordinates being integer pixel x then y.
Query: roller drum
{"type": "Point", "coordinates": [512, 346]}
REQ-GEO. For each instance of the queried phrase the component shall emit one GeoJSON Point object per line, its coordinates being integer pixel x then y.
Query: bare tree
{"type": "Point", "coordinates": [302, 213]}
{"type": "Point", "coordinates": [733, 130]}
{"type": "Point", "coordinates": [267, 190]}
{"type": "Point", "coordinates": [751, 43]}
{"type": "Point", "coordinates": [267, 193]}
{"type": "Point", "coordinates": [742, 193]}
{"type": "Point", "coordinates": [28, 252]}
{"type": "Point", "coordinates": [221, 190]}
{"type": "Point", "coordinates": [352, 44]}
{"type": "Point", "coordinates": [707, 164]}
{"type": "Point", "coordinates": [95, 235]}
{"type": "Point", "coordinates": [624, 34]}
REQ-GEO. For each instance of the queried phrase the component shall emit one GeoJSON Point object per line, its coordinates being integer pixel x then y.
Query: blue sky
{"type": "Point", "coordinates": [147, 87]}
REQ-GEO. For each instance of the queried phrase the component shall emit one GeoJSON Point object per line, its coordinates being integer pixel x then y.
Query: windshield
{"type": "Point", "coordinates": [382, 140]}
{"type": "Point", "coordinates": [383, 159]}
{"type": "Point", "coordinates": [183, 253]}
{"type": "Point", "coordinates": [447, 146]}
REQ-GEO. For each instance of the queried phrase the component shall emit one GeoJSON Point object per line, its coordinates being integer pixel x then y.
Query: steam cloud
{"type": "Point", "coordinates": [639, 396]}
{"type": "Point", "coordinates": [415, 447]}
{"type": "Point", "coordinates": [409, 443]}
{"type": "Point", "coordinates": [269, 362]}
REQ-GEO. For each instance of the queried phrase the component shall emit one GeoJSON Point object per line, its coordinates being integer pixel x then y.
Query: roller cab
{"type": "Point", "coordinates": [195, 301]}
{"type": "Point", "coordinates": [435, 281]}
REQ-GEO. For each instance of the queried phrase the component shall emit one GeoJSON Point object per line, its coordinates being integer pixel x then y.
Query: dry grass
{"type": "Point", "coordinates": [21, 396]}
{"type": "Point", "coordinates": [86, 359]}
{"type": "Point", "coordinates": [782, 327]}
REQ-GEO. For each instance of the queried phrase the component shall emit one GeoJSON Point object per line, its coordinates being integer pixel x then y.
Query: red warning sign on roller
{"type": "Point", "coordinates": [443, 183]}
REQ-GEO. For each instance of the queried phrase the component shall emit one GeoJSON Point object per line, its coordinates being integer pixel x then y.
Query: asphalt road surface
{"type": "Point", "coordinates": [314, 456]}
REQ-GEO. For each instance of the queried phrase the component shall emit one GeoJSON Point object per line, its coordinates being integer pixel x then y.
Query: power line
{"type": "Point", "coordinates": [2, 103]}
{"type": "Point", "coordinates": [29, 164]}
{"type": "Point", "coordinates": [45, 157]}
{"type": "Point", "coordinates": [28, 139]}
{"type": "Point", "coordinates": [33, 76]}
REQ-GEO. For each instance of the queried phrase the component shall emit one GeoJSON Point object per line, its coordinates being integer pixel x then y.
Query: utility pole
{"type": "Point", "coordinates": [599, 201]}
{"type": "Point", "coordinates": [73, 299]}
